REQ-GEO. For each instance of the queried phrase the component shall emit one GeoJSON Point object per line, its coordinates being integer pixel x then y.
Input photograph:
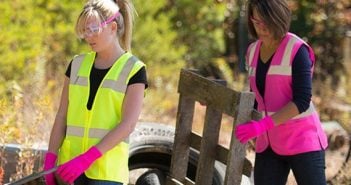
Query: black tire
{"type": "Point", "coordinates": [152, 177]}
{"type": "Point", "coordinates": [151, 147]}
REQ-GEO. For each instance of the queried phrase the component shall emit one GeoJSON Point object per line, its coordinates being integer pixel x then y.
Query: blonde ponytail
{"type": "Point", "coordinates": [125, 27]}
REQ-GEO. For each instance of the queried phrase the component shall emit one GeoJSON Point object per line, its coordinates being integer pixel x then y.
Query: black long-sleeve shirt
{"type": "Point", "coordinates": [301, 78]}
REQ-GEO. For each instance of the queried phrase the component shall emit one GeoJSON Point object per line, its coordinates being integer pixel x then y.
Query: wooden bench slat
{"type": "Point", "coordinates": [181, 147]}
{"type": "Point", "coordinates": [205, 166]}
{"type": "Point", "coordinates": [237, 151]}
{"type": "Point", "coordinates": [208, 92]}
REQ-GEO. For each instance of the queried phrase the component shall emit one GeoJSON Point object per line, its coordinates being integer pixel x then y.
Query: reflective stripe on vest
{"type": "Point", "coordinates": [74, 78]}
{"type": "Point", "coordinates": [117, 85]}
{"type": "Point", "coordinates": [308, 112]}
{"type": "Point", "coordinates": [252, 70]}
{"type": "Point", "coordinates": [79, 132]}
{"type": "Point", "coordinates": [284, 68]}
{"type": "Point", "coordinates": [93, 132]}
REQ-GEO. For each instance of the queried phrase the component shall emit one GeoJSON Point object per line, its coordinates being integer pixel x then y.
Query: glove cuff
{"type": "Point", "coordinates": [50, 156]}
{"type": "Point", "coordinates": [92, 154]}
{"type": "Point", "coordinates": [50, 160]}
{"type": "Point", "coordinates": [268, 122]}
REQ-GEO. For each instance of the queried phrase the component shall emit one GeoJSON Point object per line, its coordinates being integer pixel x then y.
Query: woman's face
{"type": "Point", "coordinates": [97, 35]}
{"type": "Point", "coordinates": [260, 26]}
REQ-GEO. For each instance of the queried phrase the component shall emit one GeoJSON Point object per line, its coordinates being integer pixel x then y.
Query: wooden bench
{"type": "Point", "coordinates": [218, 100]}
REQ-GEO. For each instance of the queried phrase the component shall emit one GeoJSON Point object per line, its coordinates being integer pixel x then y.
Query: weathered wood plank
{"type": "Point", "coordinates": [222, 156]}
{"type": "Point", "coordinates": [205, 167]}
{"type": "Point", "coordinates": [222, 153]}
{"type": "Point", "coordinates": [236, 156]}
{"type": "Point", "coordinates": [181, 145]}
{"type": "Point", "coordinates": [204, 90]}
{"type": "Point", "coordinates": [255, 115]}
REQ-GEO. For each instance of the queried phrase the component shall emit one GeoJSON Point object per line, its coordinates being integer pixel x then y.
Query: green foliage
{"type": "Point", "coordinates": [324, 28]}
{"type": "Point", "coordinates": [35, 35]}
{"type": "Point", "coordinates": [199, 26]}
{"type": "Point", "coordinates": [154, 42]}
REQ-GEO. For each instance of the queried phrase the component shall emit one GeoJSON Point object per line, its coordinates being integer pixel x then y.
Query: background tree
{"type": "Point", "coordinates": [38, 41]}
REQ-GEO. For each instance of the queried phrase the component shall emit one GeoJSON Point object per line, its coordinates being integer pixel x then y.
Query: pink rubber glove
{"type": "Point", "coordinates": [245, 132]}
{"type": "Point", "coordinates": [50, 162]}
{"type": "Point", "coordinates": [72, 169]}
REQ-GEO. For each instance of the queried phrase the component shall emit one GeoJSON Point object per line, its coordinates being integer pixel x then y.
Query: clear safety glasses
{"type": "Point", "coordinates": [94, 30]}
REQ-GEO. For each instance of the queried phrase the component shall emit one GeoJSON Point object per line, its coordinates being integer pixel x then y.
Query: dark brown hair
{"type": "Point", "coordinates": [274, 13]}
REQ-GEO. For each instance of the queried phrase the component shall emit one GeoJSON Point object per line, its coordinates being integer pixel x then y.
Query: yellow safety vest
{"type": "Point", "coordinates": [85, 128]}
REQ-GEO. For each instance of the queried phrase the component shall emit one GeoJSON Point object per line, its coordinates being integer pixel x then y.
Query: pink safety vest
{"type": "Point", "coordinates": [303, 133]}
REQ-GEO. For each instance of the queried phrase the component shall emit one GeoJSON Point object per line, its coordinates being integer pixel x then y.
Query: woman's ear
{"type": "Point", "coordinates": [114, 27]}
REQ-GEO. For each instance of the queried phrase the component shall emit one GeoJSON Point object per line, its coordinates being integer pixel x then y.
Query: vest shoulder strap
{"type": "Point", "coordinates": [76, 62]}
{"type": "Point", "coordinates": [251, 50]}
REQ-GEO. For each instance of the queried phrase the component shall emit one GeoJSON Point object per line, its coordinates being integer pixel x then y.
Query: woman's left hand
{"type": "Point", "coordinates": [72, 169]}
{"type": "Point", "coordinates": [249, 130]}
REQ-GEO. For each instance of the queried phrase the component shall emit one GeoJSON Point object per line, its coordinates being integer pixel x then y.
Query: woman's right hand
{"type": "Point", "coordinates": [49, 163]}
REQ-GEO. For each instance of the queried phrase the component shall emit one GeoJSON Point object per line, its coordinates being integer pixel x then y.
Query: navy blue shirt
{"type": "Point", "coordinates": [301, 78]}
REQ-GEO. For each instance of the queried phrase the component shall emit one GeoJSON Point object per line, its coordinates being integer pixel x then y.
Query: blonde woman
{"type": "Point", "coordinates": [101, 100]}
